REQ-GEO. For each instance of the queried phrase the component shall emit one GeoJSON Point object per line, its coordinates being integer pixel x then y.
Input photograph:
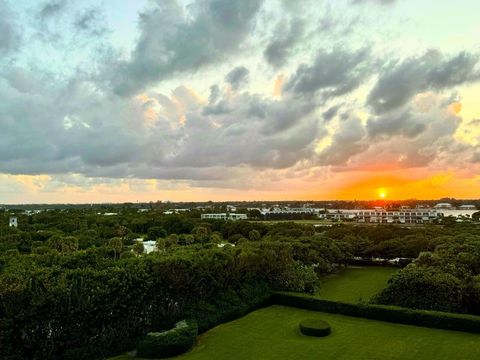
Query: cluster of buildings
{"type": "Point", "coordinates": [381, 215]}
{"type": "Point", "coordinates": [402, 215]}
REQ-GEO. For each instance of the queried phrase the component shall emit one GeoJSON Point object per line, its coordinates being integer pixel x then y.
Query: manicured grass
{"type": "Point", "coordinates": [273, 333]}
{"type": "Point", "coordinates": [355, 283]}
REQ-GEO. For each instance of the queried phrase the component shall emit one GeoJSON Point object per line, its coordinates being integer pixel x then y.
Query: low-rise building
{"type": "Point", "coordinates": [467, 207]}
{"type": "Point", "coordinates": [383, 216]}
{"type": "Point", "coordinates": [443, 206]}
{"type": "Point", "coordinates": [224, 216]}
{"type": "Point", "coordinates": [400, 216]}
{"type": "Point", "coordinates": [456, 213]}
{"type": "Point", "coordinates": [292, 211]}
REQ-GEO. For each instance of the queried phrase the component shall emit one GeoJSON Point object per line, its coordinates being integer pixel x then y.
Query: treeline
{"type": "Point", "coordinates": [445, 279]}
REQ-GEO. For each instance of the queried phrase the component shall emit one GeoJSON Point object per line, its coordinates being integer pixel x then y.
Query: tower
{"type": "Point", "coordinates": [13, 221]}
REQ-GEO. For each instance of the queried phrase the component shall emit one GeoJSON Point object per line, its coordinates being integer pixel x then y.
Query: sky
{"type": "Point", "coordinates": [195, 100]}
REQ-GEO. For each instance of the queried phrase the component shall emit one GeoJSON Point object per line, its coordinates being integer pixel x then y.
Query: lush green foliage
{"type": "Point", "coordinates": [76, 284]}
{"type": "Point", "coordinates": [169, 343]}
{"type": "Point", "coordinates": [272, 333]}
{"type": "Point", "coordinates": [87, 306]}
{"type": "Point", "coordinates": [314, 327]}
{"type": "Point", "coordinates": [447, 279]}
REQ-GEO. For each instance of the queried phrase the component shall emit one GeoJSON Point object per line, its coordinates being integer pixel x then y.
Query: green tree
{"type": "Point", "coordinates": [64, 245]}
{"type": "Point", "coordinates": [161, 244]}
{"type": "Point", "coordinates": [138, 248]}
{"type": "Point", "coordinates": [116, 244]}
{"type": "Point", "coordinates": [476, 216]}
{"type": "Point", "coordinates": [216, 238]}
{"type": "Point", "coordinates": [254, 235]}
{"type": "Point", "coordinates": [201, 234]}
{"type": "Point", "coordinates": [171, 240]}
{"type": "Point", "coordinates": [156, 232]}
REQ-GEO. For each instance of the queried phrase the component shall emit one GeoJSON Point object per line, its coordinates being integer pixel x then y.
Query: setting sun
{"type": "Point", "coordinates": [382, 194]}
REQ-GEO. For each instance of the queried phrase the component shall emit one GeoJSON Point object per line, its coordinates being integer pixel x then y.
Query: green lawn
{"type": "Point", "coordinates": [354, 283]}
{"type": "Point", "coordinates": [272, 333]}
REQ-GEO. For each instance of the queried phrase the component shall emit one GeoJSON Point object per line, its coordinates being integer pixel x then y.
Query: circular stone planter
{"type": "Point", "coordinates": [314, 327]}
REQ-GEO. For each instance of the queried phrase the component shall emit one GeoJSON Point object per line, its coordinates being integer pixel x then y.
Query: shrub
{"type": "Point", "coordinates": [314, 327]}
{"type": "Point", "coordinates": [423, 288]}
{"type": "Point", "coordinates": [169, 343]}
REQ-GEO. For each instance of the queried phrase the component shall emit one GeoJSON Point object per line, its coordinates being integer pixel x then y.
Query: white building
{"type": "Point", "coordinates": [292, 211]}
{"type": "Point", "coordinates": [221, 216]}
{"type": "Point", "coordinates": [237, 216]}
{"type": "Point", "coordinates": [443, 206]}
{"type": "Point", "coordinates": [13, 221]}
{"type": "Point", "coordinates": [467, 207]}
{"type": "Point", "coordinates": [383, 216]}
{"type": "Point", "coordinates": [456, 213]}
{"type": "Point", "coordinates": [224, 216]}
{"type": "Point", "coordinates": [401, 216]}
{"type": "Point", "coordinates": [148, 246]}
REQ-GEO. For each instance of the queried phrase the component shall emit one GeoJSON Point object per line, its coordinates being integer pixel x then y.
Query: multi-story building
{"type": "Point", "coordinates": [400, 216]}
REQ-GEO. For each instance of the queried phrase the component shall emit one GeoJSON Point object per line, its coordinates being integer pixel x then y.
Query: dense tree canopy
{"type": "Point", "coordinates": [77, 284]}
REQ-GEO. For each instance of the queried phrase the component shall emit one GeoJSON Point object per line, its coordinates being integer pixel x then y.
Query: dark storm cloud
{"type": "Point", "coordinates": [172, 42]}
{"type": "Point", "coordinates": [237, 77]}
{"type": "Point", "coordinates": [399, 82]}
{"type": "Point", "coordinates": [333, 73]}
{"type": "Point", "coordinates": [283, 40]}
{"type": "Point", "coordinates": [404, 123]}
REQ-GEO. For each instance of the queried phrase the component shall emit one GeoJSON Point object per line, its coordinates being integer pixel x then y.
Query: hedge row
{"type": "Point", "coordinates": [229, 306]}
{"type": "Point", "coordinates": [431, 319]}
{"type": "Point", "coordinates": [173, 342]}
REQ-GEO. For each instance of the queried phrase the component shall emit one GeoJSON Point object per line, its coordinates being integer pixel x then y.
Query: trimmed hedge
{"type": "Point", "coordinates": [431, 319]}
{"type": "Point", "coordinates": [314, 327]}
{"type": "Point", "coordinates": [229, 306]}
{"type": "Point", "coordinates": [169, 343]}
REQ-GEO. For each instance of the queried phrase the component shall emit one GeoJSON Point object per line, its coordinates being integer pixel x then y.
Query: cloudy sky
{"type": "Point", "coordinates": [139, 100]}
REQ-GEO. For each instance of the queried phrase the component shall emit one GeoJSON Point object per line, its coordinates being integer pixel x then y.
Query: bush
{"type": "Point", "coordinates": [314, 327]}
{"type": "Point", "coordinates": [423, 288]}
{"type": "Point", "coordinates": [431, 319]}
{"type": "Point", "coordinates": [169, 343]}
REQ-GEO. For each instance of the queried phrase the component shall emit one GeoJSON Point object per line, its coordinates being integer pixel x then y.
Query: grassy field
{"type": "Point", "coordinates": [355, 283]}
{"type": "Point", "coordinates": [272, 333]}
